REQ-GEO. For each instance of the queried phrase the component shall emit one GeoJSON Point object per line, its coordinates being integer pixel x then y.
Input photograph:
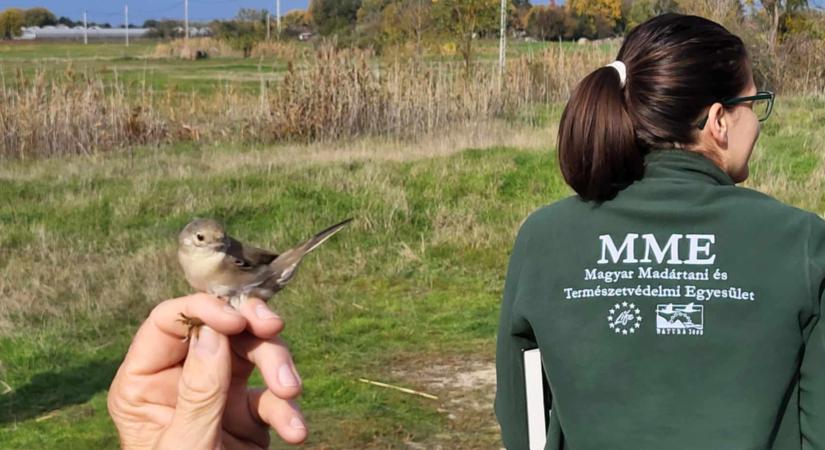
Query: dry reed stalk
{"type": "Point", "coordinates": [342, 94]}
{"type": "Point", "coordinates": [334, 94]}
{"type": "Point", "coordinates": [74, 114]}
{"type": "Point", "coordinates": [277, 49]}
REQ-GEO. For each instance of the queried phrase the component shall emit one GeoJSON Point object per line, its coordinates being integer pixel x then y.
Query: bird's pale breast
{"type": "Point", "coordinates": [200, 267]}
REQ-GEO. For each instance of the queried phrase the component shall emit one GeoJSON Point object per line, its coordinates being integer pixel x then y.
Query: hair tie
{"type": "Point", "coordinates": [622, 69]}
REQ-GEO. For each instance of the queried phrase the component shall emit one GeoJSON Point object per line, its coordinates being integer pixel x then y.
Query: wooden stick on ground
{"type": "Point", "coordinates": [398, 388]}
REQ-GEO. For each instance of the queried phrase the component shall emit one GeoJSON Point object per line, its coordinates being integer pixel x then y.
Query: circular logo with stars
{"type": "Point", "coordinates": [624, 318]}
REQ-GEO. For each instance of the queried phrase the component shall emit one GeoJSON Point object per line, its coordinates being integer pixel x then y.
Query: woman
{"type": "Point", "coordinates": [673, 309]}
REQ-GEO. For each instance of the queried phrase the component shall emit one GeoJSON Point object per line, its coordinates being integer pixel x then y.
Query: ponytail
{"type": "Point", "coordinates": [597, 142]}
{"type": "Point", "coordinates": [677, 66]}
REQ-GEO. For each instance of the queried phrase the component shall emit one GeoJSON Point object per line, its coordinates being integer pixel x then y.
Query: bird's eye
{"type": "Point", "coordinates": [199, 236]}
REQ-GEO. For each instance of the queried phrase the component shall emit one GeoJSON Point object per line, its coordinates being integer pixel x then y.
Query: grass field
{"type": "Point", "coordinates": [407, 295]}
{"type": "Point", "coordinates": [138, 63]}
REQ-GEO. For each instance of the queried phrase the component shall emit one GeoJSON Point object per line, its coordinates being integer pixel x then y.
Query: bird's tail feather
{"type": "Point", "coordinates": [313, 242]}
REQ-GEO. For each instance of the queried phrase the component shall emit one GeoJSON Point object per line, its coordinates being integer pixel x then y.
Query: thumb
{"type": "Point", "coordinates": [202, 392]}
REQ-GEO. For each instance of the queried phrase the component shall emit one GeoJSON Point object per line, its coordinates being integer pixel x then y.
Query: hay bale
{"type": "Point", "coordinates": [186, 52]}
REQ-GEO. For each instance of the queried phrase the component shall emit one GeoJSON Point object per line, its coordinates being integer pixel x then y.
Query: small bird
{"type": "Point", "coordinates": [220, 265]}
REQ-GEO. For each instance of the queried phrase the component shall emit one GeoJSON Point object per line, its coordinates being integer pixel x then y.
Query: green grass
{"type": "Point", "coordinates": [25, 50]}
{"type": "Point", "coordinates": [135, 64]}
{"type": "Point", "coordinates": [416, 277]}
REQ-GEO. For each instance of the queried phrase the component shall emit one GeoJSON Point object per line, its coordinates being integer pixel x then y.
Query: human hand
{"type": "Point", "coordinates": [169, 393]}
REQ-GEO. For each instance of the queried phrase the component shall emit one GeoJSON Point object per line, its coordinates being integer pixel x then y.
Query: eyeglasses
{"type": "Point", "coordinates": [762, 105]}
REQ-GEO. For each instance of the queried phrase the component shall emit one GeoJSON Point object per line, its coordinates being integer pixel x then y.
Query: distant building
{"type": "Point", "coordinates": [64, 32]}
{"type": "Point", "coordinates": [200, 32]}
{"type": "Point", "coordinates": [193, 32]}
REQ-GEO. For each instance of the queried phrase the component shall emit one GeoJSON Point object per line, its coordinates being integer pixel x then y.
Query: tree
{"type": "Point", "coordinates": [600, 16]}
{"type": "Point", "coordinates": [369, 22]}
{"type": "Point", "coordinates": [394, 22]}
{"type": "Point", "coordinates": [165, 28]}
{"type": "Point", "coordinates": [551, 22]}
{"type": "Point", "coordinates": [518, 15]}
{"type": "Point", "coordinates": [244, 32]}
{"type": "Point", "coordinates": [463, 20]}
{"type": "Point", "coordinates": [296, 19]}
{"type": "Point", "coordinates": [63, 20]}
{"type": "Point", "coordinates": [777, 10]}
{"type": "Point", "coordinates": [11, 22]}
{"type": "Point", "coordinates": [240, 35]}
{"type": "Point", "coordinates": [334, 16]}
{"type": "Point", "coordinates": [414, 20]}
{"type": "Point", "coordinates": [38, 17]}
{"type": "Point", "coordinates": [728, 13]}
{"type": "Point", "coordinates": [638, 11]}
{"type": "Point", "coordinates": [251, 15]}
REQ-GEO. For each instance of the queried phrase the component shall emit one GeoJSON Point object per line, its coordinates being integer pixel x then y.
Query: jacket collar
{"type": "Point", "coordinates": [683, 165]}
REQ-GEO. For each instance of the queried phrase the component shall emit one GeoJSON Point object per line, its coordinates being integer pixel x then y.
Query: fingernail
{"type": "Point", "coordinates": [286, 376]}
{"type": "Point", "coordinates": [297, 423]}
{"type": "Point", "coordinates": [231, 310]}
{"type": "Point", "coordinates": [265, 313]}
{"type": "Point", "coordinates": [207, 341]}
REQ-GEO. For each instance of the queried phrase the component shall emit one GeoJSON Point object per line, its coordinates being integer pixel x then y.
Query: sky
{"type": "Point", "coordinates": [111, 11]}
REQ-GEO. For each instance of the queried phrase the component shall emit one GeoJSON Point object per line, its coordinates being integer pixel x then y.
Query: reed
{"type": "Point", "coordinates": [73, 114]}
{"type": "Point", "coordinates": [325, 95]}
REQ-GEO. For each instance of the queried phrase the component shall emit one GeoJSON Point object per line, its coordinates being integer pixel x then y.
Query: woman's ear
{"type": "Point", "coordinates": [717, 125]}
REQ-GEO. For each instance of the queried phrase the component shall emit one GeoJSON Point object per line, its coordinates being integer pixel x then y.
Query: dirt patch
{"type": "Point", "coordinates": [465, 388]}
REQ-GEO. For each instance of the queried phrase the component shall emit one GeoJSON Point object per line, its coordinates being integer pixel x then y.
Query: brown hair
{"type": "Point", "coordinates": [677, 66]}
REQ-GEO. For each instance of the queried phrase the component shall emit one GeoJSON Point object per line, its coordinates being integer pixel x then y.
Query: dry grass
{"type": "Point", "coordinates": [74, 114]}
{"type": "Point", "coordinates": [181, 48]}
{"type": "Point", "coordinates": [280, 50]}
{"type": "Point", "coordinates": [343, 94]}
{"type": "Point", "coordinates": [335, 94]}
{"type": "Point", "coordinates": [330, 95]}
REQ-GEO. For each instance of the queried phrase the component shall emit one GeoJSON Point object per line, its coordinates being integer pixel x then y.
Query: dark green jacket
{"type": "Point", "coordinates": [683, 314]}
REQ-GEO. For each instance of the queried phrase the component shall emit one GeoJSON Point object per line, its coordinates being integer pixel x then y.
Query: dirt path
{"type": "Point", "coordinates": [465, 388]}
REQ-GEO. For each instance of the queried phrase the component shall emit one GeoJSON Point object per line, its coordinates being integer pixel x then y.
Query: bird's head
{"type": "Point", "coordinates": [203, 234]}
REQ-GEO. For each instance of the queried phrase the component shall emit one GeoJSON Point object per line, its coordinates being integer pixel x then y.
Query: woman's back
{"type": "Point", "coordinates": [674, 316]}
{"type": "Point", "coordinates": [673, 309]}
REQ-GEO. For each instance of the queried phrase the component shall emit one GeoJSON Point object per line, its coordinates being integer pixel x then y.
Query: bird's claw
{"type": "Point", "coordinates": [193, 325]}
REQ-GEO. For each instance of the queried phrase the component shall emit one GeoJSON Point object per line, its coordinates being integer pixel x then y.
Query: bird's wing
{"type": "Point", "coordinates": [245, 257]}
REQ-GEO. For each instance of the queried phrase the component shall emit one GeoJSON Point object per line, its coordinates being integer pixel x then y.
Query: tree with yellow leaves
{"type": "Point", "coordinates": [464, 20]}
{"type": "Point", "coordinates": [597, 13]}
{"type": "Point", "coordinates": [11, 23]}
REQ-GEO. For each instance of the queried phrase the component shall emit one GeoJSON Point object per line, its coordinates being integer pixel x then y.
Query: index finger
{"type": "Point", "coordinates": [159, 343]}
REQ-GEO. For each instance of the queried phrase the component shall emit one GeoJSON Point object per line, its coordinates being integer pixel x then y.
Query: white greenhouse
{"type": "Point", "coordinates": [64, 32]}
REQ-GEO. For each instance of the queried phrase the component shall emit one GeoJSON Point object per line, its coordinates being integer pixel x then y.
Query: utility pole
{"type": "Point", "coordinates": [126, 13]}
{"type": "Point", "coordinates": [186, 19]}
{"type": "Point", "coordinates": [503, 43]}
{"type": "Point", "coordinates": [278, 16]}
{"type": "Point", "coordinates": [85, 29]}
{"type": "Point", "coordinates": [268, 26]}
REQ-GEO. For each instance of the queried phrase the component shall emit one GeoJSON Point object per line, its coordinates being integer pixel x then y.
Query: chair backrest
{"type": "Point", "coordinates": [538, 413]}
